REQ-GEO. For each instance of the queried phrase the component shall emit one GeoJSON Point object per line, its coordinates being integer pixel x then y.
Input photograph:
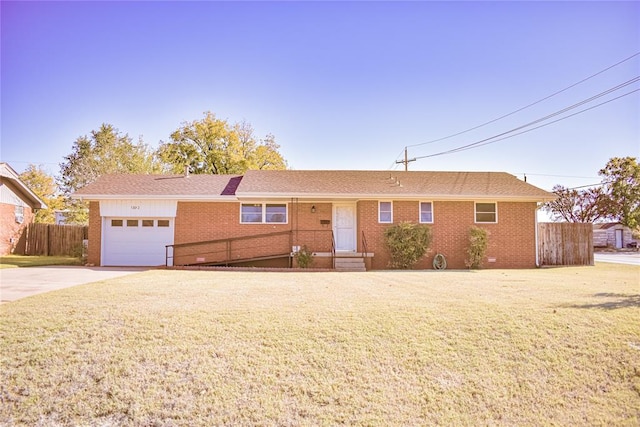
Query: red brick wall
{"type": "Point", "coordinates": [95, 234]}
{"type": "Point", "coordinates": [511, 240]}
{"type": "Point", "coordinates": [203, 221]}
{"type": "Point", "coordinates": [10, 230]}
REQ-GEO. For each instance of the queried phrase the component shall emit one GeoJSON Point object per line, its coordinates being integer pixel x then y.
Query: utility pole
{"type": "Point", "coordinates": [406, 160]}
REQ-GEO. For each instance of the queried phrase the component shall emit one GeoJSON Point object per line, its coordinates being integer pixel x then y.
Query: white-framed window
{"type": "Point", "coordinates": [426, 212]}
{"type": "Point", "coordinates": [263, 213]}
{"type": "Point", "coordinates": [486, 212]}
{"type": "Point", "coordinates": [385, 212]}
{"type": "Point", "coordinates": [19, 214]}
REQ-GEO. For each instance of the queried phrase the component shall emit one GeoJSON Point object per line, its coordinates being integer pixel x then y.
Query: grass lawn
{"type": "Point", "coordinates": [181, 348]}
{"type": "Point", "coordinates": [11, 261]}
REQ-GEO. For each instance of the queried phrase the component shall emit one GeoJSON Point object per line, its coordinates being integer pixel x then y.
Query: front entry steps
{"type": "Point", "coordinates": [349, 263]}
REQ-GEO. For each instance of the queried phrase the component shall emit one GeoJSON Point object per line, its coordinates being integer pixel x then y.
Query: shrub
{"type": "Point", "coordinates": [304, 257]}
{"type": "Point", "coordinates": [478, 241]}
{"type": "Point", "coordinates": [407, 243]}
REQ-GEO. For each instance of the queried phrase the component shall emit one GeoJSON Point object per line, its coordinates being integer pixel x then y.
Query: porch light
{"type": "Point", "coordinates": [313, 209]}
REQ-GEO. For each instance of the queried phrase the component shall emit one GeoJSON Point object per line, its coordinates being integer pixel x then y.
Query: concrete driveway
{"type": "Point", "coordinates": [631, 258]}
{"type": "Point", "coordinates": [16, 283]}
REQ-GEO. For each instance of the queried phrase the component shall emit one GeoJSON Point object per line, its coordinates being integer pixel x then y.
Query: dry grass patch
{"type": "Point", "coordinates": [555, 346]}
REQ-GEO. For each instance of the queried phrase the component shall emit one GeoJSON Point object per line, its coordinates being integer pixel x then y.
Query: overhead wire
{"type": "Point", "coordinates": [505, 135]}
{"type": "Point", "coordinates": [528, 105]}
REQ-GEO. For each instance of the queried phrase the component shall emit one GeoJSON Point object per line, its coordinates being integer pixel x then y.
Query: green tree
{"type": "Point", "coordinates": [104, 151]}
{"type": "Point", "coordinates": [213, 146]}
{"type": "Point", "coordinates": [44, 186]}
{"type": "Point", "coordinates": [621, 182]}
{"type": "Point", "coordinates": [573, 205]}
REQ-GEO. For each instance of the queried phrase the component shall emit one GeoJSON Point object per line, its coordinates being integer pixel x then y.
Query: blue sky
{"type": "Point", "coordinates": [341, 85]}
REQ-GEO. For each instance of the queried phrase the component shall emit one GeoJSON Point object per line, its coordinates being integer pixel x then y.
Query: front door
{"type": "Point", "coordinates": [344, 227]}
{"type": "Point", "coordinates": [619, 238]}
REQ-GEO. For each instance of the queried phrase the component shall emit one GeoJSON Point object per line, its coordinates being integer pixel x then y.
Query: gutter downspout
{"type": "Point", "coordinates": [536, 237]}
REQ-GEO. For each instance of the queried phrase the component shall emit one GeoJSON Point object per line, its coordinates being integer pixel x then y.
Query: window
{"type": "Point", "coordinates": [147, 223]}
{"type": "Point", "coordinates": [426, 212]}
{"type": "Point", "coordinates": [116, 223]}
{"type": "Point", "coordinates": [276, 213]}
{"type": "Point", "coordinates": [486, 212]}
{"type": "Point", "coordinates": [385, 212]}
{"type": "Point", "coordinates": [269, 213]}
{"type": "Point", "coordinates": [19, 214]}
{"type": "Point", "coordinates": [132, 223]}
{"type": "Point", "coordinates": [251, 213]}
{"type": "Point", "coordinates": [163, 223]}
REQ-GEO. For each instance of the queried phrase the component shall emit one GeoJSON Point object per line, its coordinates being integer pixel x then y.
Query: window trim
{"type": "Point", "coordinates": [420, 212]}
{"type": "Point", "coordinates": [475, 212]}
{"type": "Point", "coordinates": [390, 211]}
{"type": "Point", "coordinates": [263, 217]}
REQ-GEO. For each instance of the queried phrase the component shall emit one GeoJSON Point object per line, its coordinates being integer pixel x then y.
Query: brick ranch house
{"type": "Point", "coordinates": [18, 205]}
{"type": "Point", "coordinates": [260, 217]}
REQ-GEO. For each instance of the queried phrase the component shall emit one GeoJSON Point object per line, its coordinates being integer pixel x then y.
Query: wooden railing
{"type": "Point", "coordinates": [246, 248]}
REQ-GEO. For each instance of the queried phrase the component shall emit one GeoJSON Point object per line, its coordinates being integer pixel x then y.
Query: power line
{"type": "Point", "coordinates": [529, 105]}
{"type": "Point", "coordinates": [493, 139]}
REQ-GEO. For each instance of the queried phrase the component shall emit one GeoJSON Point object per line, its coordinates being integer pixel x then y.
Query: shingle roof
{"type": "Point", "coordinates": [304, 183]}
{"type": "Point", "coordinates": [196, 186]}
{"type": "Point", "coordinates": [319, 184]}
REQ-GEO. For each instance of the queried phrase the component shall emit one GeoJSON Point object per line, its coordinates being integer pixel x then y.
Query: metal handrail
{"type": "Point", "coordinates": [333, 251]}
{"type": "Point", "coordinates": [365, 249]}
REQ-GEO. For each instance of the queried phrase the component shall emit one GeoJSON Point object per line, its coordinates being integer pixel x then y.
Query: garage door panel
{"type": "Point", "coordinates": [128, 243]}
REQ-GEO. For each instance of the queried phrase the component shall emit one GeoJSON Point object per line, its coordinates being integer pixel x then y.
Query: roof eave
{"type": "Point", "coordinates": [34, 201]}
{"type": "Point", "coordinates": [186, 198]}
{"type": "Point", "coordinates": [381, 196]}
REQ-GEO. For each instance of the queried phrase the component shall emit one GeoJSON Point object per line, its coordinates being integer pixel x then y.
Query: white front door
{"type": "Point", "coordinates": [344, 227]}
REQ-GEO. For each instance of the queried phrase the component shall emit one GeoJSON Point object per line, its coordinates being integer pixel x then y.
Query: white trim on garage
{"type": "Point", "coordinates": [138, 208]}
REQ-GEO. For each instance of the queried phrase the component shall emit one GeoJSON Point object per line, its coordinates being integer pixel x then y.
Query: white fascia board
{"type": "Point", "coordinates": [420, 196]}
{"type": "Point", "coordinates": [190, 198]}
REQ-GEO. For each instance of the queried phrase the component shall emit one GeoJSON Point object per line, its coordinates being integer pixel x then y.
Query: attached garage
{"type": "Point", "coordinates": [136, 232]}
{"type": "Point", "coordinates": [136, 241]}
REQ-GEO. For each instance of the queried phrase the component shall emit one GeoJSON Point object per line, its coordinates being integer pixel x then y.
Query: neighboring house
{"type": "Point", "coordinates": [613, 235]}
{"type": "Point", "coordinates": [60, 217]}
{"type": "Point", "coordinates": [17, 208]}
{"type": "Point", "coordinates": [260, 217]}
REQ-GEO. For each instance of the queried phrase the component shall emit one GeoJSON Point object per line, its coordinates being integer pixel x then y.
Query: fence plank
{"type": "Point", "coordinates": [565, 243]}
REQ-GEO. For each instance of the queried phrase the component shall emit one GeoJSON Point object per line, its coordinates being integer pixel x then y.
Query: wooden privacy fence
{"type": "Point", "coordinates": [565, 243]}
{"type": "Point", "coordinates": [56, 240]}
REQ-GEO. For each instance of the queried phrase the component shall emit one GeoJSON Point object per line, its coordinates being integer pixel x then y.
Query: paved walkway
{"type": "Point", "coordinates": [632, 258]}
{"type": "Point", "coordinates": [16, 283]}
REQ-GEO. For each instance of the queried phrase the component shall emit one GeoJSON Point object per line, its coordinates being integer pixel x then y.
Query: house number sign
{"type": "Point", "coordinates": [135, 207]}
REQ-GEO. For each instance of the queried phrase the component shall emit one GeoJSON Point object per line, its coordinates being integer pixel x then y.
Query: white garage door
{"type": "Point", "coordinates": [136, 241]}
